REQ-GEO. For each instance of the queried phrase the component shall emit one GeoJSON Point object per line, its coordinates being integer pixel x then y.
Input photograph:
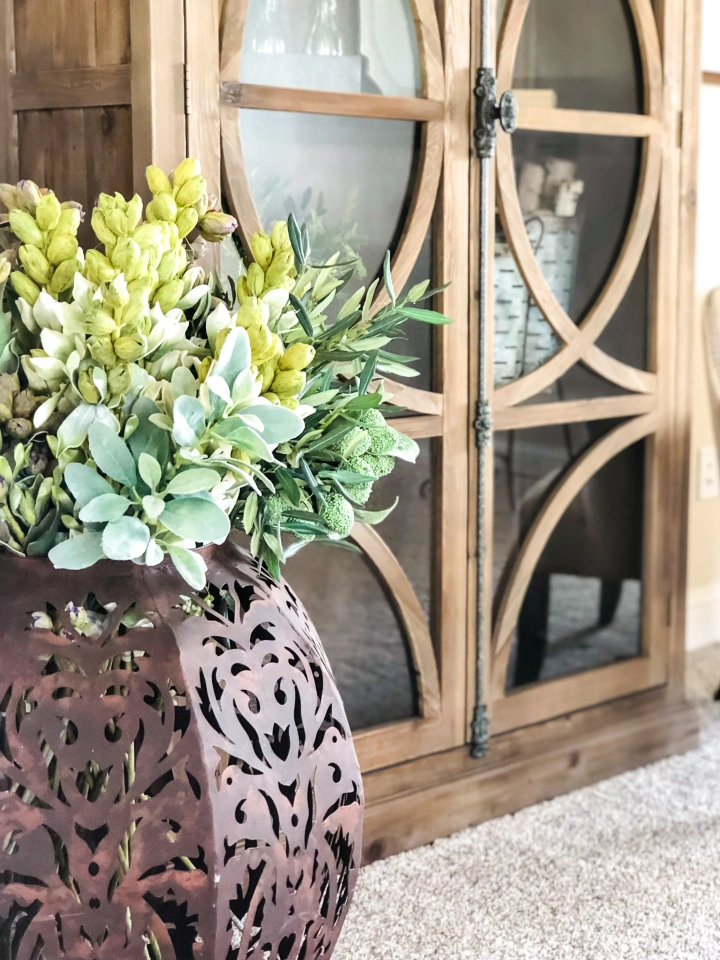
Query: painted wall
{"type": "Point", "coordinates": [704, 561]}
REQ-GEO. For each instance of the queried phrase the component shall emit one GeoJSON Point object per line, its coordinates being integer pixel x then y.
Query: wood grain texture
{"type": "Point", "coordinates": [112, 32]}
{"type": "Point", "coordinates": [405, 601]}
{"type": "Point", "coordinates": [588, 122]}
{"type": "Point", "coordinates": [72, 89]}
{"type": "Point", "coordinates": [419, 401]}
{"type": "Point", "coordinates": [203, 60]}
{"type": "Point", "coordinates": [573, 411]}
{"type": "Point", "coordinates": [158, 86]}
{"type": "Point", "coordinates": [257, 97]}
{"type": "Point", "coordinates": [420, 428]}
{"type": "Point", "coordinates": [411, 805]}
{"type": "Point", "coordinates": [8, 119]}
{"type": "Point", "coordinates": [545, 523]}
{"type": "Point", "coordinates": [74, 34]}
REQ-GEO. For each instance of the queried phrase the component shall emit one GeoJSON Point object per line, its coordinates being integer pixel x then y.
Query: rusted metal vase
{"type": "Point", "coordinates": [177, 776]}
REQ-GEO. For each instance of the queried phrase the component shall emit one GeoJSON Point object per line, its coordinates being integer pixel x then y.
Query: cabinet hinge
{"type": "Point", "coordinates": [188, 90]}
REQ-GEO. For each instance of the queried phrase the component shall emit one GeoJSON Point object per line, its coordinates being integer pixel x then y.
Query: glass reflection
{"type": "Point", "coordinates": [352, 608]}
{"type": "Point", "coordinates": [583, 609]}
{"type": "Point", "coordinates": [353, 46]}
{"type": "Point", "coordinates": [563, 59]}
{"type": "Point", "coordinates": [320, 168]}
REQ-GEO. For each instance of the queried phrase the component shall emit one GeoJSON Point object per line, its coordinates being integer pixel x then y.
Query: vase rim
{"type": "Point", "coordinates": [115, 568]}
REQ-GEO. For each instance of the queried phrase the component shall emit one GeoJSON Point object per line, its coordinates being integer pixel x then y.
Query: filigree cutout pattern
{"type": "Point", "coordinates": [188, 791]}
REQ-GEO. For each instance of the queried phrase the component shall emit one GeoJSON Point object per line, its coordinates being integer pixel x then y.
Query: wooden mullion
{"type": "Point", "coordinates": [574, 411]}
{"type": "Point", "coordinates": [8, 119]}
{"type": "Point", "coordinates": [419, 428]}
{"type": "Point", "coordinates": [287, 99]}
{"type": "Point", "coordinates": [588, 122]}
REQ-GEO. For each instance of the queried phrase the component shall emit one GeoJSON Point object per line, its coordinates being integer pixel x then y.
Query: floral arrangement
{"type": "Point", "coordinates": [146, 409]}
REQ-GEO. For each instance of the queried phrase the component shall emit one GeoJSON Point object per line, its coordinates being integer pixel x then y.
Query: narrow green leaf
{"type": "Point", "coordinates": [302, 314]}
{"type": "Point", "coordinates": [250, 512]}
{"type": "Point", "coordinates": [387, 274]}
{"type": "Point", "coordinates": [426, 316]}
{"type": "Point", "coordinates": [373, 517]}
{"type": "Point", "coordinates": [111, 455]}
{"type": "Point", "coordinates": [368, 373]}
{"type": "Point", "coordinates": [289, 485]}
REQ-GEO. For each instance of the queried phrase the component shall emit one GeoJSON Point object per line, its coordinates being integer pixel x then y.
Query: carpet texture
{"type": "Point", "coordinates": [629, 868]}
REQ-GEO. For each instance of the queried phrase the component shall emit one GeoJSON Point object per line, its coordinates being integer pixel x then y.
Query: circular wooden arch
{"type": "Point", "coordinates": [579, 341]}
{"type": "Point", "coordinates": [542, 529]}
{"type": "Point", "coordinates": [429, 109]}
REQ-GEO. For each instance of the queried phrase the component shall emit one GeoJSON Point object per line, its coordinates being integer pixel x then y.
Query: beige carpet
{"type": "Point", "coordinates": [626, 869]}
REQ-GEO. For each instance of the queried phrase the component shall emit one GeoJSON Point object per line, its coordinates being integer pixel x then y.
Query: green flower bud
{"type": "Point", "coordinates": [281, 237]}
{"type": "Point", "coordinates": [98, 268]}
{"type": "Point", "coordinates": [117, 221]}
{"type": "Point", "coordinates": [103, 352]}
{"type": "Point", "coordinates": [372, 418]}
{"type": "Point", "coordinates": [169, 295]}
{"type": "Point", "coordinates": [289, 383]}
{"type": "Point", "coordinates": [191, 191]}
{"type": "Point", "coordinates": [272, 398]}
{"type": "Point", "coordinates": [267, 371]}
{"type": "Point", "coordinates": [19, 428]}
{"type": "Point", "coordinates": [148, 236]}
{"type": "Point", "coordinates": [187, 170]}
{"type": "Point", "coordinates": [290, 403]}
{"type": "Point", "coordinates": [62, 247]}
{"type": "Point", "coordinates": [130, 348]}
{"type": "Point", "coordinates": [261, 344]}
{"type": "Point", "coordinates": [5, 269]}
{"type": "Point", "coordinates": [100, 324]}
{"type": "Point", "coordinates": [25, 287]}
{"type": "Point", "coordinates": [120, 380]}
{"type": "Point", "coordinates": [157, 180]}
{"type": "Point", "coordinates": [64, 277]}
{"type": "Point", "coordinates": [255, 279]}
{"type": "Point", "coordinates": [274, 509]}
{"type": "Point", "coordinates": [69, 222]}
{"type": "Point", "coordinates": [48, 212]}
{"type": "Point", "coordinates": [11, 196]}
{"type": "Point", "coordinates": [169, 267]}
{"type": "Point", "coordinates": [87, 388]}
{"type": "Point", "coordinates": [107, 203]}
{"type": "Point", "coordinates": [116, 294]}
{"type": "Point", "coordinates": [25, 228]}
{"type": "Point", "coordinates": [338, 514]}
{"type": "Point", "coordinates": [279, 270]}
{"type": "Point", "coordinates": [101, 229]}
{"type": "Point", "coordinates": [382, 440]}
{"type": "Point", "coordinates": [164, 207]}
{"type": "Point", "coordinates": [126, 254]}
{"type": "Point", "coordinates": [134, 213]}
{"type": "Point", "coordinates": [186, 222]}
{"type": "Point", "coordinates": [215, 226]}
{"type": "Point", "coordinates": [36, 264]}
{"type": "Point", "coordinates": [297, 357]}
{"type": "Point", "coordinates": [354, 444]}
{"type": "Point", "coordinates": [139, 268]}
{"type": "Point", "coordinates": [262, 249]}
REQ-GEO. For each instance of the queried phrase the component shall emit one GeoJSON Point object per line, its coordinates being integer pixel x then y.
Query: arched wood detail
{"type": "Point", "coordinates": [542, 529]}
{"type": "Point", "coordinates": [411, 614]}
{"type": "Point", "coordinates": [429, 168]}
{"type": "Point", "coordinates": [579, 342]}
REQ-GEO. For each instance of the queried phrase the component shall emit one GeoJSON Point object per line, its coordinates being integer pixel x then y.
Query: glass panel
{"type": "Point", "coordinates": [352, 610]}
{"type": "Point", "coordinates": [323, 168]}
{"type": "Point", "coordinates": [417, 340]}
{"type": "Point", "coordinates": [351, 46]}
{"type": "Point", "coordinates": [564, 181]}
{"type": "Point", "coordinates": [579, 383]}
{"type": "Point", "coordinates": [360, 632]}
{"type": "Point", "coordinates": [583, 609]}
{"type": "Point", "coordinates": [564, 56]}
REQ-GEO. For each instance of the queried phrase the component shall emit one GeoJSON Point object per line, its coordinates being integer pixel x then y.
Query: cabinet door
{"type": "Point", "coordinates": [355, 117]}
{"type": "Point", "coordinates": [584, 552]}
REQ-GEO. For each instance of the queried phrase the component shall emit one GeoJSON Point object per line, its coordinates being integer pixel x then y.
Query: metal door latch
{"type": "Point", "coordinates": [489, 111]}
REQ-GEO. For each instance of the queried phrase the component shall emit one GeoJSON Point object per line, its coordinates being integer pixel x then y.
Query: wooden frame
{"type": "Point", "coordinates": [651, 403]}
{"type": "Point", "coordinates": [443, 154]}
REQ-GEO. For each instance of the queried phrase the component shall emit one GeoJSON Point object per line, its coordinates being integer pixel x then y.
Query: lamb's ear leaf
{"type": "Point", "coordinates": [79, 553]}
{"type": "Point", "coordinates": [191, 567]}
{"type": "Point", "coordinates": [85, 484]}
{"type": "Point", "coordinates": [105, 509]}
{"type": "Point", "coordinates": [112, 455]}
{"type": "Point", "coordinates": [125, 540]}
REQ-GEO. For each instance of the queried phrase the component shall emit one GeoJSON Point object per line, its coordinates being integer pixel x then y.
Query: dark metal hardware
{"type": "Point", "coordinates": [489, 111]}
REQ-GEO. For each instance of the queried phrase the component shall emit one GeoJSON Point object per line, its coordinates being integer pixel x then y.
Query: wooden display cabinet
{"type": "Point", "coordinates": [566, 527]}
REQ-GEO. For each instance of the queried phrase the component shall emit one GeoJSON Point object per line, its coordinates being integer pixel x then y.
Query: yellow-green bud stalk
{"type": "Point", "coordinates": [267, 372]}
{"type": "Point", "coordinates": [255, 279]}
{"type": "Point", "coordinates": [187, 170]}
{"type": "Point", "coordinates": [116, 294]}
{"type": "Point", "coordinates": [25, 287]}
{"type": "Point", "coordinates": [291, 403]}
{"type": "Point", "coordinates": [169, 295]}
{"type": "Point", "coordinates": [118, 222]}
{"type": "Point", "coordinates": [281, 237]}
{"type": "Point", "coordinates": [5, 268]}
{"type": "Point", "coordinates": [130, 348]}
{"type": "Point", "coordinates": [48, 212]}
{"type": "Point", "coordinates": [98, 268]}
{"type": "Point", "coordinates": [164, 207]}
{"type": "Point", "coordinates": [157, 180]}
{"type": "Point", "coordinates": [100, 324]}
{"type": "Point", "coordinates": [69, 222]}
{"type": "Point", "coordinates": [134, 213]}
{"type": "Point", "coordinates": [279, 270]}
{"type": "Point", "coordinates": [101, 229]}
{"type": "Point", "coordinates": [186, 222]}
{"type": "Point", "coordinates": [88, 391]}
{"type": "Point", "coordinates": [120, 380]}
{"type": "Point", "coordinates": [215, 226]}
{"type": "Point", "coordinates": [103, 352]}
{"type": "Point", "coordinates": [297, 357]}
{"type": "Point", "coordinates": [139, 268]}
{"type": "Point", "coordinates": [262, 249]}
{"type": "Point", "coordinates": [25, 228]}
{"type": "Point", "coordinates": [31, 196]}
{"type": "Point", "coordinates": [64, 277]}
{"type": "Point", "coordinates": [289, 383]}
{"type": "Point", "coordinates": [191, 191]}
{"type": "Point", "coordinates": [62, 247]}
{"type": "Point", "coordinates": [36, 264]}
{"type": "Point", "coordinates": [261, 344]}
{"type": "Point", "coordinates": [126, 254]}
